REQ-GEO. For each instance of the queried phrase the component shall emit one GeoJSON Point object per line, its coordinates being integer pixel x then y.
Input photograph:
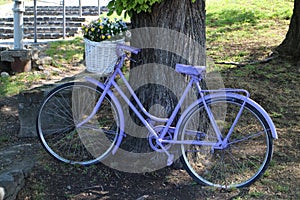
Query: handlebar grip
{"type": "Point", "coordinates": [131, 49]}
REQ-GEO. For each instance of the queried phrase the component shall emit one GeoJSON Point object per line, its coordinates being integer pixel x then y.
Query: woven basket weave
{"type": "Point", "coordinates": [100, 57]}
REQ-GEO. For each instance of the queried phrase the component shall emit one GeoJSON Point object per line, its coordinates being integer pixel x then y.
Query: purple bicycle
{"type": "Point", "coordinates": [224, 139]}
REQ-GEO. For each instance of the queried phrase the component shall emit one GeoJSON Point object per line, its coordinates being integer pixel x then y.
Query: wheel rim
{"type": "Point", "coordinates": [85, 145]}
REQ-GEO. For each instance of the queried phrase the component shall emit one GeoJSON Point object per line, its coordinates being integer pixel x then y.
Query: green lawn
{"type": "Point", "coordinates": [251, 23]}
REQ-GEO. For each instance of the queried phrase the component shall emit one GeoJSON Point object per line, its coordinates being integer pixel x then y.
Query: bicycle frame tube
{"type": "Point", "coordinates": [246, 99]}
{"type": "Point", "coordinates": [168, 121]}
{"type": "Point", "coordinates": [216, 94]}
{"type": "Point", "coordinates": [224, 141]}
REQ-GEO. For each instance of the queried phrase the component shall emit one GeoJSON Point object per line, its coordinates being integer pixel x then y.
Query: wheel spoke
{"type": "Point", "coordinates": [71, 103]}
{"type": "Point", "coordinates": [248, 151]}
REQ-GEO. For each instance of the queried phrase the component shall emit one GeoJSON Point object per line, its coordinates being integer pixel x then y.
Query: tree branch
{"type": "Point", "coordinates": [242, 64]}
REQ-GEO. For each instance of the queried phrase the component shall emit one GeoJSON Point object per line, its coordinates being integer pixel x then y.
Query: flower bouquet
{"type": "Point", "coordinates": [101, 37]}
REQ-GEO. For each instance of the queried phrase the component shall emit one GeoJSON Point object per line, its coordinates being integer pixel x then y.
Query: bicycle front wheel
{"type": "Point", "coordinates": [249, 149]}
{"type": "Point", "coordinates": [64, 108]}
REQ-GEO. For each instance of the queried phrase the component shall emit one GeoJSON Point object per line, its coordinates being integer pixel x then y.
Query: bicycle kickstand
{"type": "Point", "coordinates": [170, 156]}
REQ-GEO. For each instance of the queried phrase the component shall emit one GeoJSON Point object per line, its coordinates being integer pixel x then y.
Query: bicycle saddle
{"type": "Point", "coordinates": [190, 69]}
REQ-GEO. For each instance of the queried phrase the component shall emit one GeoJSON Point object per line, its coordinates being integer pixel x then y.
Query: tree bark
{"type": "Point", "coordinates": [182, 16]}
{"type": "Point", "coordinates": [290, 47]}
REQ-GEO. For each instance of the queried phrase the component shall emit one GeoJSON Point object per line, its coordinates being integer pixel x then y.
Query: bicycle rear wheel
{"type": "Point", "coordinates": [68, 105]}
{"type": "Point", "coordinates": [247, 155]}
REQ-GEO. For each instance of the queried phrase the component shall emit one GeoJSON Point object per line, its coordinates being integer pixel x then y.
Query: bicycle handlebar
{"type": "Point", "coordinates": [124, 47]}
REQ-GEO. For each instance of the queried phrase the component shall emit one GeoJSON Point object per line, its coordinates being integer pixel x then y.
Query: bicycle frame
{"type": "Point", "coordinates": [221, 141]}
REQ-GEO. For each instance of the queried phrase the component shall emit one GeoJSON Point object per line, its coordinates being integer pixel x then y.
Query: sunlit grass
{"type": "Point", "coordinates": [66, 51]}
{"type": "Point", "coordinates": [14, 84]}
{"type": "Point", "coordinates": [236, 27]}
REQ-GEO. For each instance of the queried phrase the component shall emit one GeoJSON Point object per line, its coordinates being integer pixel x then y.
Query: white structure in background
{"type": "Point", "coordinates": [72, 2]}
{"type": "Point", "coordinates": [18, 9]}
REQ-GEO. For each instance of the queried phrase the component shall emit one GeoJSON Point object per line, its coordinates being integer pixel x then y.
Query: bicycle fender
{"type": "Point", "coordinates": [119, 108]}
{"type": "Point", "coordinates": [223, 95]}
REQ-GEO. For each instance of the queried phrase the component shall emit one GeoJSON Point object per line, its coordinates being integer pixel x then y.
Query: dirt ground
{"type": "Point", "coordinates": [277, 90]}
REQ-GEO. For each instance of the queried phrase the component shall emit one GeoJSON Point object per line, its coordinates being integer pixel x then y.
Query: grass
{"type": "Point", "coordinates": [66, 51]}
{"type": "Point", "coordinates": [231, 23]}
{"type": "Point", "coordinates": [15, 84]}
{"type": "Point", "coordinates": [63, 54]}
{"type": "Point", "coordinates": [229, 12]}
{"type": "Point", "coordinates": [4, 138]}
{"type": "Point", "coordinates": [39, 190]}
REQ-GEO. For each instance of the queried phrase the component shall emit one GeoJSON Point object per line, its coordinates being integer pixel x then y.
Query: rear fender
{"type": "Point", "coordinates": [222, 95]}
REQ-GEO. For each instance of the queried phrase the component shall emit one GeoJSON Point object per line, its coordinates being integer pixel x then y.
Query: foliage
{"type": "Point", "coordinates": [132, 6]}
{"type": "Point", "coordinates": [103, 29]}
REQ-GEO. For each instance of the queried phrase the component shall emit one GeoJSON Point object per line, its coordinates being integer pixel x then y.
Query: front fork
{"type": "Point", "coordinates": [106, 91]}
{"type": "Point", "coordinates": [98, 104]}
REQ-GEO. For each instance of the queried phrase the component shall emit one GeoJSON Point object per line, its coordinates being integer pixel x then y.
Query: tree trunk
{"type": "Point", "coordinates": [290, 47]}
{"type": "Point", "coordinates": [174, 32]}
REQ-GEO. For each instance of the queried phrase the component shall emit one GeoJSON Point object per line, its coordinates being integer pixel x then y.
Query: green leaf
{"type": "Point", "coordinates": [110, 12]}
{"type": "Point", "coordinates": [111, 4]}
{"type": "Point", "coordinates": [119, 11]}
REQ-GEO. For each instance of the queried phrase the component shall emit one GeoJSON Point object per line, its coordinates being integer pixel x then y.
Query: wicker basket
{"type": "Point", "coordinates": [100, 57]}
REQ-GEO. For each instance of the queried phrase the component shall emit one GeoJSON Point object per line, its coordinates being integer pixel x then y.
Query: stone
{"type": "Point", "coordinates": [20, 65]}
{"type": "Point", "coordinates": [16, 163]}
{"type": "Point", "coordinates": [4, 74]}
{"type": "Point", "coordinates": [4, 65]}
{"type": "Point", "coordinates": [47, 60]}
{"type": "Point", "coordinates": [12, 182]}
{"type": "Point", "coordinates": [20, 59]}
{"type": "Point", "coordinates": [29, 103]}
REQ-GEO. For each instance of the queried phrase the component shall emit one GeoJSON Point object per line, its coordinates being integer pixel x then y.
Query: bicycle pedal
{"type": "Point", "coordinates": [170, 160]}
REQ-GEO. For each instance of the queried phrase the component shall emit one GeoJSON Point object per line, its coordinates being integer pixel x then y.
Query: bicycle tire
{"type": "Point", "coordinates": [63, 108]}
{"type": "Point", "coordinates": [249, 151]}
